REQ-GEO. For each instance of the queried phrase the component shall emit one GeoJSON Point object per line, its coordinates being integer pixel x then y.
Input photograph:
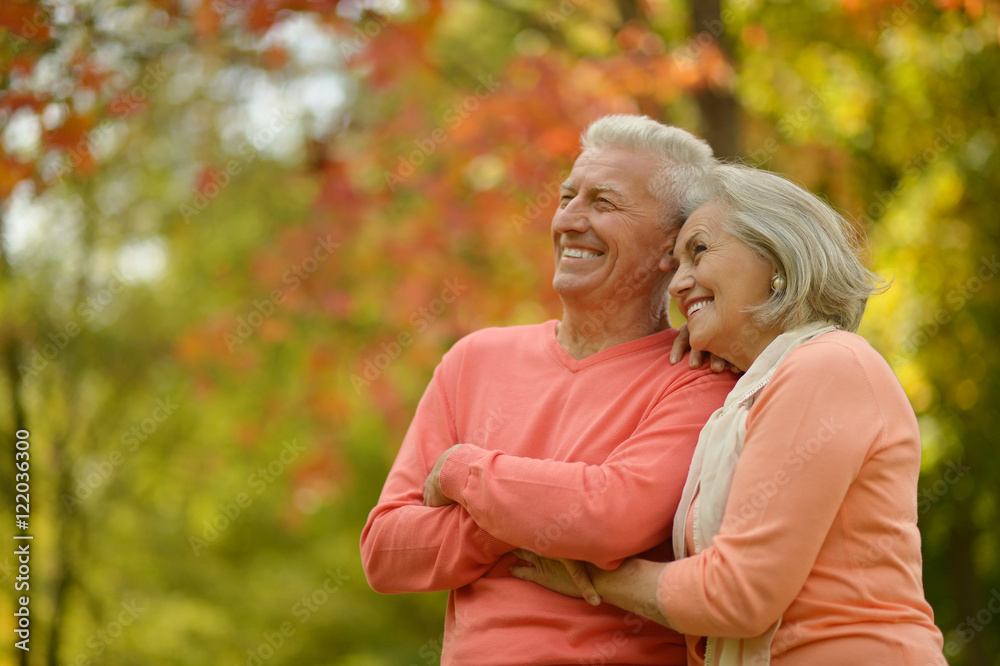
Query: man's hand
{"type": "Point", "coordinates": [682, 343]}
{"type": "Point", "coordinates": [568, 577]}
{"type": "Point", "coordinates": [432, 485]}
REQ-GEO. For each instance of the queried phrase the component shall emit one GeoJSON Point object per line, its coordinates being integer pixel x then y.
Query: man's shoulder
{"type": "Point", "coordinates": [501, 337]}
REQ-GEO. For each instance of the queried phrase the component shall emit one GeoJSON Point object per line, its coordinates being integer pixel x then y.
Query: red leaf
{"type": "Point", "coordinates": [11, 173]}
{"type": "Point", "coordinates": [14, 101]}
{"type": "Point", "coordinates": [206, 21]}
{"type": "Point", "coordinates": [25, 20]}
{"type": "Point", "coordinates": [70, 134]}
{"type": "Point", "coordinates": [274, 58]}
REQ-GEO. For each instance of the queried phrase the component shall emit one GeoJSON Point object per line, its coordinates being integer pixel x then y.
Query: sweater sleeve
{"type": "Point", "coordinates": [599, 513]}
{"type": "Point", "coordinates": [808, 436]}
{"type": "Point", "coordinates": [409, 547]}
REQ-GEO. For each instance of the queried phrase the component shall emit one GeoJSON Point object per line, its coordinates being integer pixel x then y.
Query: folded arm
{"type": "Point", "coordinates": [806, 444]}
{"type": "Point", "coordinates": [409, 547]}
{"type": "Point", "coordinates": [600, 513]}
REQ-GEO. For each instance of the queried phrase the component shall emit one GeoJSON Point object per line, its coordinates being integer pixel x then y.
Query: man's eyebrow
{"type": "Point", "coordinates": [594, 189]}
{"type": "Point", "coordinates": [607, 188]}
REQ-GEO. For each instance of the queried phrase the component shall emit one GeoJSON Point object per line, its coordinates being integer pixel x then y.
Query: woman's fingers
{"type": "Point", "coordinates": [681, 344]}
{"type": "Point", "coordinates": [578, 572]}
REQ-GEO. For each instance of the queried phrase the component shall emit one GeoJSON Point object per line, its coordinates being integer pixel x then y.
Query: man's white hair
{"type": "Point", "coordinates": [683, 158]}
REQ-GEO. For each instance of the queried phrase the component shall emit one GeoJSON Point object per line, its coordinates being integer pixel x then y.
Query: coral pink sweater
{"type": "Point", "coordinates": [821, 524]}
{"type": "Point", "coordinates": [582, 459]}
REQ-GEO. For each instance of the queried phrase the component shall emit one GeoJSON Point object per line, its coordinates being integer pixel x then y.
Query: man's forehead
{"type": "Point", "coordinates": [611, 169]}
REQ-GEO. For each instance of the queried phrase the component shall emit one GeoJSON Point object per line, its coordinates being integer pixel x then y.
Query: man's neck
{"type": "Point", "coordinates": [585, 333]}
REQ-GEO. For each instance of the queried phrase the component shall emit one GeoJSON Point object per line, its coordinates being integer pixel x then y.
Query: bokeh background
{"type": "Point", "coordinates": [237, 235]}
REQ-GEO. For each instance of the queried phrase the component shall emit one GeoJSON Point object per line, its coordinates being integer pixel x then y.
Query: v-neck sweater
{"type": "Point", "coordinates": [582, 459]}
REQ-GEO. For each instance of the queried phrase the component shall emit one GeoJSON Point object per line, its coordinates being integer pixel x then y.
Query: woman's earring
{"type": "Point", "coordinates": [778, 283]}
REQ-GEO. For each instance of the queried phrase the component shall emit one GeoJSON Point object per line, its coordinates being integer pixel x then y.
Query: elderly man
{"type": "Point", "coordinates": [570, 438]}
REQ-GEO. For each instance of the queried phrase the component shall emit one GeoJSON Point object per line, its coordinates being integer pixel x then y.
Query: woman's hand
{"type": "Point", "coordinates": [682, 343]}
{"type": "Point", "coordinates": [432, 484]}
{"type": "Point", "coordinates": [568, 577]}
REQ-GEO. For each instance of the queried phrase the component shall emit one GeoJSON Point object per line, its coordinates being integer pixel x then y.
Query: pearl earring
{"type": "Point", "coordinates": [778, 282]}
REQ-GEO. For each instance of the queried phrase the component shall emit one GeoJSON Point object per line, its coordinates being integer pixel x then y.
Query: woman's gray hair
{"type": "Point", "coordinates": [808, 242]}
{"type": "Point", "coordinates": [683, 158]}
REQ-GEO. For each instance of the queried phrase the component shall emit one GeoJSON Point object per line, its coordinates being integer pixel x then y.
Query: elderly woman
{"type": "Point", "coordinates": [796, 539]}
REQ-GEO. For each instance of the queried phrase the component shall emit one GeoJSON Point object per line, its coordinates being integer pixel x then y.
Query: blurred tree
{"type": "Point", "coordinates": [239, 234]}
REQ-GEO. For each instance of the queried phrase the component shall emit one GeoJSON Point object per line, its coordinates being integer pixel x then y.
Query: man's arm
{"type": "Point", "coordinates": [598, 513]}
{"type": "Point", "coordinates": [409, 547]}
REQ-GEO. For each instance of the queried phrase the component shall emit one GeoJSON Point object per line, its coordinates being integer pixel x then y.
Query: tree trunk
{"type": "Point", "coordinates": [719, 113]}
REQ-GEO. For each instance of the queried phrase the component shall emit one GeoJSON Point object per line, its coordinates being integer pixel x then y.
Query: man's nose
{"type": "Point", "coordinates": [571, 218]}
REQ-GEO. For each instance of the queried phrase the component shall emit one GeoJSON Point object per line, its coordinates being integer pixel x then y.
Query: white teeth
{"type": "Point", "coordinates": [697, 306]}
{"type": "Point", "coordinates": [578, 253]}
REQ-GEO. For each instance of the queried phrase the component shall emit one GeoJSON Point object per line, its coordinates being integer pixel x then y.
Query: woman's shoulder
{"type": "Point", "coordinates": [840, 354]}
{"type": "Point", "coordinates": [835, 347]}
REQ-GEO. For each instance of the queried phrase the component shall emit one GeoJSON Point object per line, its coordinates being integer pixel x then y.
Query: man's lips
{"type": "Point", "coordinates": [580, 253]}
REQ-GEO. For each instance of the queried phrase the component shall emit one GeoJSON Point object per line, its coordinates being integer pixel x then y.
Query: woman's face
{"type": "Point", "coordinates": [718, 278]}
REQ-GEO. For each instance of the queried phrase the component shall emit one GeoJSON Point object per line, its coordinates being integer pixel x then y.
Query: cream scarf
{"type": "Point", "coordinates": [711, 475]}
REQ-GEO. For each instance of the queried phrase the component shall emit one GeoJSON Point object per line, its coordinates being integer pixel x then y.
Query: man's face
{"type": "Point", "coordinates": [607, 236]}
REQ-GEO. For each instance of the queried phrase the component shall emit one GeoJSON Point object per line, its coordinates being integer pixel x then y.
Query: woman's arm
{"type": "Point", "coordinates": [631, 587]}
{"type": "Point", "coordinates": [818, 423]}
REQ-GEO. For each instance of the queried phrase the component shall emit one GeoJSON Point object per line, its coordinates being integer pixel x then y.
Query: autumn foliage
{"type": "Point", "coordinates": [277, 215]}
